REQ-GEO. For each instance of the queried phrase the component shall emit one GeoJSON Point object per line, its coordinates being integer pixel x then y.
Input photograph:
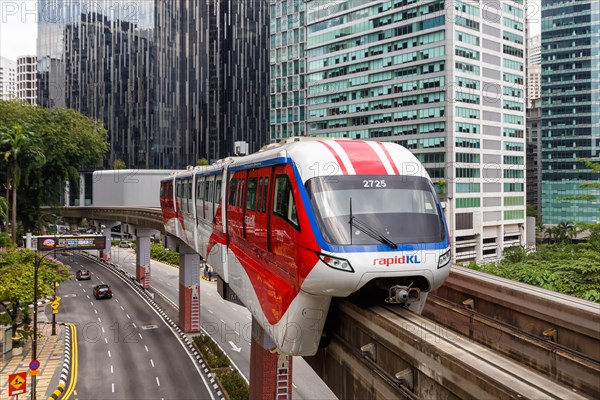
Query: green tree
{"type": "Point", "coordinates": [3, 212]}
{"type": "Point", "coordinates": [202, 161]}
{"type": "Point", "coordinates": [19, 151]}
{"type": "Point", "coordinates": [16, 285]}
{"type": "Point", "coordinates": [70, 142]}
{"type": "Point", "coordinates": [119, 164]}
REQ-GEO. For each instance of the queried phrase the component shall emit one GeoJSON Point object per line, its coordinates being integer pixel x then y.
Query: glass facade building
{"type": "Point", "coordinates": [288, 63]}
{"type": "Point", "coordinates": [570, 109]}
{"type": "Point", "coordinates": [445, 80]}
{"type": "Point", "coordinates": [172, 81]}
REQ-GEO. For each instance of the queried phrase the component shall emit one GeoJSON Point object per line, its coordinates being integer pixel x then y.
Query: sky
{"type": "Point", "coordinates": [18, 29]}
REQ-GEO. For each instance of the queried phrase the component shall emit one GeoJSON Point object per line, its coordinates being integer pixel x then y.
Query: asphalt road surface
{"type": "Point", "coordinates": [126, 351]}
{"type": "Point", "coordinates": [227, 323]}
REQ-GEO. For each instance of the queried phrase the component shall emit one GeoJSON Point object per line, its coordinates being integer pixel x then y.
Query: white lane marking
{"type": "Point", "coordinates": [96, 311]}
{"type": "Point", "coordinates": [106, 340]}
{"type": "Point", "coordinates": [294, 385]}
{"type": "Point", "coordinates": [109, 355]}
{"type": "Point", "coordinates": [113, 387]}
{"type": "Point", "coordinates": [92, 303]}
{"type": "Point", "coordinates": [234, 309]}
{"type": "Point", "coordinates": [101, 281]}
{"type": "Point", "coordinates": [222, 321]}
{"type": "Point", "coordinates": [111, 370]}
{"type": "Point", "coordinates": [102, 329]}
{"type": "Point", "coordinates": [80, 284]}
{"type": "Point", "coordinates": [99, 320]}
{"type": "Point", "coordinates": [88, 296]}
{"type": "Point", "coordinates": [146, 348]}
{"type": "Point", "coordinates": [210, 311]}
{"type": "Point", "coordinates": [152, 362]}
{"type": "Point", "coordinates": [128, 316]}
{"type": "Point", "coordinates": [236, 332]}
{"type": "Point", "coordinates": [133, 323]}
{"type": "Point", "coordinates": [141, 336]}
{"type": "Point", "coordinates": [117, 300]}
{"type": "Point", "coordinates": [122, 308]}
{"type": "Point", "coordinates": [250, 318]}
{"type": "Point", "coordinates": [83, 289]}
{"type": "Point", "coordinates": [220, 301]}
{"type": "Point", "coordinates": [157, 381]}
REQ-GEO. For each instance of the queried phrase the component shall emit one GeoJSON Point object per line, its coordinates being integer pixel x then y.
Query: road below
{"type": "Point", "coordinates": [126, 351]}
{"type": "Point", "coordinates": [227, 323]}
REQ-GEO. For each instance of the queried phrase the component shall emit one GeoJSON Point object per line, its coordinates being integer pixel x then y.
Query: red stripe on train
{"type": "Point", "coordinates": [337, 157]}
{"type": "Point", "coordinates": [387, 154]}
{"type": "Point", "coordinates": [364, 159]}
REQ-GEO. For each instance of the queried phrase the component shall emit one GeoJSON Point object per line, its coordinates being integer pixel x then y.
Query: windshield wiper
{"type": "Point", "coordinates": [354, 222]}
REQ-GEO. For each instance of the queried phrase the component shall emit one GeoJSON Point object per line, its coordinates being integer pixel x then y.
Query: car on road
{"type": "Point", "coordinates": [83, 275]}
{"type": "Point", "coordinates": [102, 291]}
{"type": "Point", "coordinates": [125, 244]}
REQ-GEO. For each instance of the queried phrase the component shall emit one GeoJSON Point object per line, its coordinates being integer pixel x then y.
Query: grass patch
{"type": "Point", "coordinates": [231, 381]}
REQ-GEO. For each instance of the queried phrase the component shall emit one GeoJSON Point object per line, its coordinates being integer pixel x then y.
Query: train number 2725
{"type": "Point", "coordinates": [374, 183]}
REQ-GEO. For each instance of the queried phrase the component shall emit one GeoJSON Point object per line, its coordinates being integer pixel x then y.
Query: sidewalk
{"type": "Point", "coordinates": [50, 355]}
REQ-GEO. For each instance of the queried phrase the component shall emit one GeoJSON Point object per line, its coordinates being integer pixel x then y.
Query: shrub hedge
{"type": "Point", "coordinates": [231, 381]}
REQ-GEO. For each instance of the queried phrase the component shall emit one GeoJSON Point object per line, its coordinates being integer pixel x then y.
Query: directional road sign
{"type": "Point", "coordinates": [17, 383]}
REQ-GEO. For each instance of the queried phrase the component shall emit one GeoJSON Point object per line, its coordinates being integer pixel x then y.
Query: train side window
{"type": "Point", "coordinates": [259, 190]}
{"type": "Point", "coordinates": [251, 197]}
{"type": "Point", "coordinates": [240, 193]}
{"type": "Point", "coordinates": [284, 204]}
{"type": "Point", "coordinates": [265, 194]}
{"type": "Point", "coordinates": [190, 192]}
{"type": "Point", "coordinates": [217, 196]}
{"type": "Point", "coordinates": [218, 192]}
{"type": "Point", "coordinates": [232, 192]}
{"type": "Point", "coordinates": [206, 190]}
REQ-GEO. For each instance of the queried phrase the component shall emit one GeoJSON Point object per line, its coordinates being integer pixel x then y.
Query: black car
{"type": "Point", "coordinates": [83, 275]}
{"type": "Point", "coordinates": [102, 291]}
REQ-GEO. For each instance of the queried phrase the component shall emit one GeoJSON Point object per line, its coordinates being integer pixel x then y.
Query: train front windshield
{"type": "Point", "coordinates": [367, 210]}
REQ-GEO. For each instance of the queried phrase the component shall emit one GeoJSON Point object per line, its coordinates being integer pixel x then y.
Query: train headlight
{"type": "Point", "coordinates": [444, 259]}
{"type": "Point", "coordinates": [337, 263]}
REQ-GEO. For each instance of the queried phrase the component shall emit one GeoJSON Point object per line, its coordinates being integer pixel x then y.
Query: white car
{"type": "Point", "coordinates": [125, 244]}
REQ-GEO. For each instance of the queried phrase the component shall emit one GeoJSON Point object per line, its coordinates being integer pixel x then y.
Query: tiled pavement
{"type": "Point", "coordinates": [50, 355]}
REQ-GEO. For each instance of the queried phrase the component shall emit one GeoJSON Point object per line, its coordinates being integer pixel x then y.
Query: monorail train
{"type": "Point", "coordinates": [305, 220]}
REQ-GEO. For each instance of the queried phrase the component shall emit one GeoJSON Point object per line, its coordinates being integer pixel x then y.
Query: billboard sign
{"type": "Point", "coordinates": [87, 242]}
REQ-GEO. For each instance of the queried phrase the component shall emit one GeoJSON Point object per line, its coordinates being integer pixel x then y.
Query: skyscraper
{"type": "Point", "coordinates": [570, 109]}
{"type": "Point", "coordinates": [8, 79]}
{"type": "Point", "coordinates": [26, 78]}
{"type": "Point", "coordinates": [172, 81]}
{"type": "Point", "coordinates": [444, 79]}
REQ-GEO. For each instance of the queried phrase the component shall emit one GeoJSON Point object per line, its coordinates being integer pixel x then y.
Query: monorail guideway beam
{"type": "Point", "coordinates": [270, 371]}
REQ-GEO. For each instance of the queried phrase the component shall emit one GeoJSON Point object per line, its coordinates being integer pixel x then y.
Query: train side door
{"type": "Point", "coordinates": [255, 219]}
{"type": "Point", "coordinates": [285, 228]}
{"type": "Point", "coordinates": [235, 212]}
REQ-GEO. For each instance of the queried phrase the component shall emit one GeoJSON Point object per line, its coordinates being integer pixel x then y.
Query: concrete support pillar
{"type": "Point", "coordinates": [142, 256]}
{"type": "Point", "coordinates": [106, 254]}
{"type": "Point", "coordinates": [270, 371]}
{"type": "Point", "coordinates": [189, 290]}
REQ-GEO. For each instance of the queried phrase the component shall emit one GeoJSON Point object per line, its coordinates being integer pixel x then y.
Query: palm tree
{"type": "Point", "coordinates": [17, 148]}
{"type": "Point", "coordinates": [566, 231]}
{"type": "Point", "coordinates": [3, 211]}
